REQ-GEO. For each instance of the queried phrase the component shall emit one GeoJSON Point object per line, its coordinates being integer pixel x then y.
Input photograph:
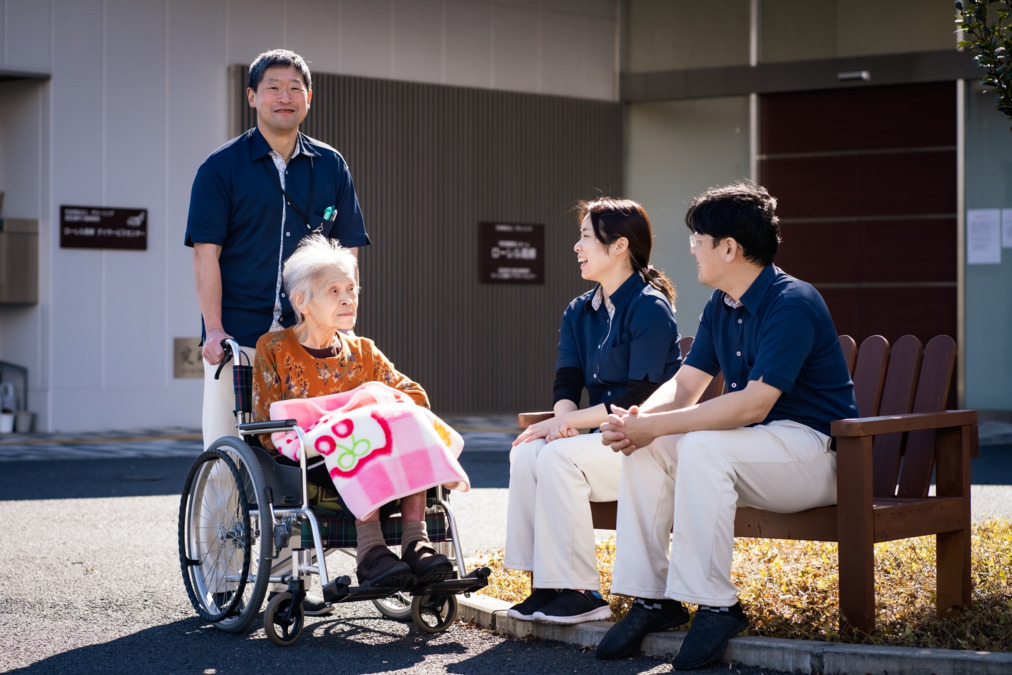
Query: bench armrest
{"type": "Point", "coordinates": [891, 424]}
{"type": "Point", "coordinates": [525, 420]}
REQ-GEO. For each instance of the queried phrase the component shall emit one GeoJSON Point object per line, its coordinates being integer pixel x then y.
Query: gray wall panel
{"type": "Point", "coordinates": [430, 162]}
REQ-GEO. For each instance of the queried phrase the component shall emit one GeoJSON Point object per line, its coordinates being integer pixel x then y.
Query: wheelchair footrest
{"type": "Point", "coordinates": [340, 589]}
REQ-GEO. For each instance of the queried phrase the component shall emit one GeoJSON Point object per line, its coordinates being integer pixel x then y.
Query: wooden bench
{"type": "Point", "coordinates": [885, 462]}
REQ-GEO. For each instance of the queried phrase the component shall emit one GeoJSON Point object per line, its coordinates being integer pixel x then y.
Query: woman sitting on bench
{"type": "Point", "coordinates": [314, 358]}
{"type": "Point", "coordinates": [620, 342]}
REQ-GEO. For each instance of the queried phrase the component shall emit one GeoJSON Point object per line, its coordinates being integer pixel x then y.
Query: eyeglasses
{"type": "Point", "coordinates": [695, 238]}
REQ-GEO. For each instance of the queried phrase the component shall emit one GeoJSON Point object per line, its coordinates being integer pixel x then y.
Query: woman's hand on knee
{"type": "Point", "coordinates": [550, 430]}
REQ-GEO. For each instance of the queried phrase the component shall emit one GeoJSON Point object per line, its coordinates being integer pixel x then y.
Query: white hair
{"type": "Point", "coordinates": [315, 258]}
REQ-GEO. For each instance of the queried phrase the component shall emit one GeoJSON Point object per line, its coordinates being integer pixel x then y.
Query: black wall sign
{"type": "Point", "coordinates": [103, 227]}
{"type": "Point", "coordinates": [511, 253]}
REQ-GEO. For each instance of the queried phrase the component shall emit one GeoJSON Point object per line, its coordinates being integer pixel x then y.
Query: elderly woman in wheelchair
{"type": "Point", "coordinates": [328, 407]}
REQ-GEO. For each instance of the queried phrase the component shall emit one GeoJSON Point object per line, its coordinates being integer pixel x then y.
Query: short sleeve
{"type": "Point", "coordinates": [787, 340]}
{"type": "Point", "coordinates": [653, 330]}
{"type": "Point", "coordinates": [350, 226]}
{"type": "Point", "coordinates": [569, 354]}
{"type": "Point", "coordinates": [207, 220]}
{"type": "Point", "coordinates": [703, 353]}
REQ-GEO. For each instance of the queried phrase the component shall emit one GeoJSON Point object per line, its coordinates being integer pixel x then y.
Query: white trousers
{"type": "Point", "coordinates": [549, 528]}
{"type": "Point", "coordinates": [695, 482]}
{"type": "Point", "coordinates": [217, 419]}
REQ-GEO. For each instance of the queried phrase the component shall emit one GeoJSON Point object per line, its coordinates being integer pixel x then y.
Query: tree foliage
{"type": "Point", "coordinates": [985, 24]}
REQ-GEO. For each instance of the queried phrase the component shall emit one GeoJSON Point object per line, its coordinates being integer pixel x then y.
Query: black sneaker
{"type": "Point", "coordinates": [571, 606]}
{"type": "Point", "coordinates": [313, 605]}
{"type": "Point", "coordinates": [524, 611]}
{"type": "Point", "coordinates": [711, 629]}
{"type": "Point", "coordinates": [645, 616]}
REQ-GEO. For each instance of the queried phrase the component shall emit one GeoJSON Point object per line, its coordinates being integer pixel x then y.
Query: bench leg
{"type": "Point", "coordinates": [856, 535]}
{"type": "Point", "coordinates": [952, 551]}
{"type": "Point", "coordinates": [857, 587]}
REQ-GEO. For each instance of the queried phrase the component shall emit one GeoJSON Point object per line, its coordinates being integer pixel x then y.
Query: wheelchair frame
{"type": "Point", "coordinates": [240, 511]}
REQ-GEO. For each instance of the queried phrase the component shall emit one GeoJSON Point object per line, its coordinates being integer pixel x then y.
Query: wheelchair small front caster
{"type": "Point", "coordinates": [433, 613]}
{"type": "Point", "coordinates": [282, 621]}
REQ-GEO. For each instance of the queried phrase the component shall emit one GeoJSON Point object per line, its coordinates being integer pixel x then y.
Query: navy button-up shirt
{"type": "Point", "coordinates": [237, 204]}
{"type": "Point", "coordinates": [635, 339]}
{"type": "Point", "coordinates": [780, 331]}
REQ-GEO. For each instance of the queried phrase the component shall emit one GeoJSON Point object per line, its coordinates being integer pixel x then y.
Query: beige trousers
{"type": "Point", "coordinates": [694, 482]}
{"type": "Point", "coordinates": [217, 419]}
{"type": "Point", "coordinates": [549, 528]}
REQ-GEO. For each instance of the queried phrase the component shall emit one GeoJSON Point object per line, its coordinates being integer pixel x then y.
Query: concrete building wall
{"type": "Point", "coordinates": [674, 151]}
{"type": "Point", "coordinates": [134, 96]}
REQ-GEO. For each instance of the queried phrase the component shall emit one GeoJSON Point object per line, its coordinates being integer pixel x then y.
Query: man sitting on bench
{"type": "Point", "coordinates": [765, 443]}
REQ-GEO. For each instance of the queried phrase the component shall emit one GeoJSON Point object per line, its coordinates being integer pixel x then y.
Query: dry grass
{"type": "Point", "coordinates": [789, 590]}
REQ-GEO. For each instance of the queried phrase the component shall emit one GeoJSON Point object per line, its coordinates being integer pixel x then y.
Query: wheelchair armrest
{"type": "Point", "coordinates": [268, 427]}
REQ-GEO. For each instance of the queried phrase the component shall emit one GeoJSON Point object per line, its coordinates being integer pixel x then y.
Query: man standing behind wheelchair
{"type": "Point", "coordinates": [253, 200]}
{"type": "Point", "coordinates": [317, 357]}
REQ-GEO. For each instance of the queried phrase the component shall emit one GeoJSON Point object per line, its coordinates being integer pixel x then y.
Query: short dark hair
{"type": "Point", "coordinates": [744, 211]}
{"type": "Point", "coordinates": [277, 57]}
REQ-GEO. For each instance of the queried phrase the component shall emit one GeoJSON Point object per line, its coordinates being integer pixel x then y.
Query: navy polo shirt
{"type": "Point", "coordinates": [638, 342]}
{"type": "Point", "coordinates": [236, 204]}
{"type": "Point", "coordinates": [781, 331]}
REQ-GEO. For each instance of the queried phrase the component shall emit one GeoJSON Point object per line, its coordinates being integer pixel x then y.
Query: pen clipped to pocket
{"type": "Point", "coordinates": [325, 223]}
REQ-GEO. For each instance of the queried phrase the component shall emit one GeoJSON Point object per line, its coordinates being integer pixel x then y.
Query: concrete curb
{"type": "Point", "coordinates": [798, 656]}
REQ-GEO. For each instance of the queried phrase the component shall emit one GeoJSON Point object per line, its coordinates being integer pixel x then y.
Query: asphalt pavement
{"type": "Point", "coordinates": [92, 581]}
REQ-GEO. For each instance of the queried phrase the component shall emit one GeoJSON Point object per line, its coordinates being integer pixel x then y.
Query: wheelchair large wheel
{"type": "Point", "coordinates": [396, 606]}
{"type": "Point", "coordinates": [225, 535]}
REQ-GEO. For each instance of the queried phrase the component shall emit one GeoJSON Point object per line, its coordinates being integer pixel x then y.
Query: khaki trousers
{"type": "Point", "coordinates": [694, 482]}
{"type": "Point", "coordinates": [549, 528]}
{"type": "Point", "coordinates": [217, 419]}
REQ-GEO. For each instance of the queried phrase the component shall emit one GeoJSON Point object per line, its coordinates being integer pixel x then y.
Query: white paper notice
{"type": "Point", "coordinates": [1006, 228]}
{"type": "Point", "coordinates": [983, 236]}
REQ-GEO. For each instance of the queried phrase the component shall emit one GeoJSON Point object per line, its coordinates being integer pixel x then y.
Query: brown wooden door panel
{"type": "Point", "coordinates": [911, 116]}
{"type": "Point", "coordinates": [866, 185]}
{"type": "Point", "coordinates": [892, 312]}
{"type": "Point", "coordinates": [879, 251]}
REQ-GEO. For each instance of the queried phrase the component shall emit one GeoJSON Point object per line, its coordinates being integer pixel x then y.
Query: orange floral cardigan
{"type": "Point", "coordinates": [283, 369]}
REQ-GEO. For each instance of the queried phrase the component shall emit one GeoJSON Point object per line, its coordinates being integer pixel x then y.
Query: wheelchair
{"type": "Point", "coordinates": [242, 511]}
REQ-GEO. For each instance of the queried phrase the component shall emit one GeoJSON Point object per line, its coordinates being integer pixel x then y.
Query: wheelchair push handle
{"type": "Point", "coordinates": [230, 347]}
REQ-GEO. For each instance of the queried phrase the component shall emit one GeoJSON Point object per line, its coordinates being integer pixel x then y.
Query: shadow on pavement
{"type": "Point", "coordinates": [339, 646]}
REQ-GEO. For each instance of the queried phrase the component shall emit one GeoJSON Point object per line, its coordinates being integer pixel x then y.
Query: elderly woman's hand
{"type": "Point", "coordinates": [550, 430]}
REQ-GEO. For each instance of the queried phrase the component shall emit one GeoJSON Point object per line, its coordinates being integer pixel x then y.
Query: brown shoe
{"type": "Point", "coordinates": [381, 567]}
{"type": "Point", "coordinates": [427, 565]}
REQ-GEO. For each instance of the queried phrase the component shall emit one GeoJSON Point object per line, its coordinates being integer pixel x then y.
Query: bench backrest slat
{"type": "Point", "coordinates": [897, 399]}
{"type": "Point", "coordinates": [932, 394]}
{"type": "Point", "coordinates": [869, 374]}
{"type": "Point", "coordinates": [849, 348]}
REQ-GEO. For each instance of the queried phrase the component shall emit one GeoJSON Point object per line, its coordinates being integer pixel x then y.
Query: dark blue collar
{"type": "Point", "coordinates": [260, 148]}
{"type": "Point", "coordinates": [628, 288]}
{"type": "Point", "coordinates": [753, 297]}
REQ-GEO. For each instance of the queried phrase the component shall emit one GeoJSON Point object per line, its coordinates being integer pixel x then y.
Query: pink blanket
{"type": "Point", "coordinates": [378, 444]}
